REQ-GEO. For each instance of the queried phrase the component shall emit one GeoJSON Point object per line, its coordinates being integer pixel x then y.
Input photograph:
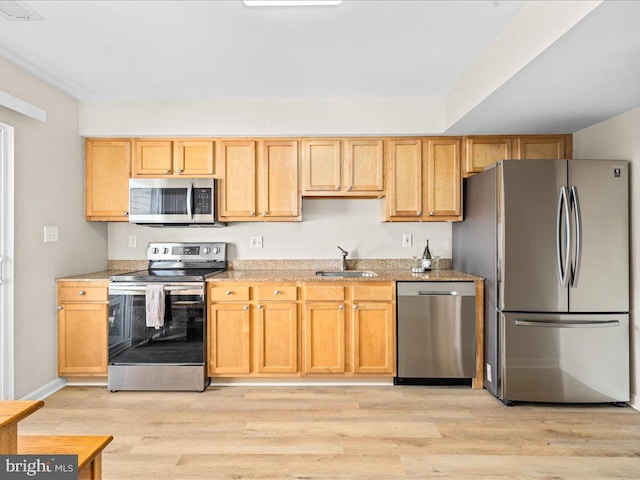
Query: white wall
{"type": "Point", "coordinates": [49, 190]}
{"type": "Point", "coordinates": [293, 117]}
{"type": "Point", "coordinates": [352, 224]}
{"type": "Point", "coordinates": [618, 139]}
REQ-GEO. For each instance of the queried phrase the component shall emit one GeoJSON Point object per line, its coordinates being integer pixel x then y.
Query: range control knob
{"type": "Point", "coordinates": [165, 250]}
{"type": "Point", "coordinates": [216, 250]}
{"type": "Point", "coordinates": [206, 250]}
{"type": "Point", "coordinates": [155, 250]}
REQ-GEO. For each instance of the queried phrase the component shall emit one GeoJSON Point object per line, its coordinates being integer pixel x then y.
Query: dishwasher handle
{"type": "Point", "coordinates": [454, 293]}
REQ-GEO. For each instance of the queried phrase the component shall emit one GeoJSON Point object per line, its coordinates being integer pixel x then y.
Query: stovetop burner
{"type": "Point", "coordinates": [179, 262]}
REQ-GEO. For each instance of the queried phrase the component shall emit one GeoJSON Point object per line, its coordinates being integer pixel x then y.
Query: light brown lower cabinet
{"type": "Point", "coordinates": [229, 338]}
{"type": "Point", "coordinates": [373, 338]}
{"type": "Point", "coordinates": [310, 328]}
{"type": "Point", "coordinates": [353, 336]}
{"type": "Point", "coordinates": [277, 332]}
{"type": "Point", "coordinates": [252, 329]}
{"type": "Point", "coordinates": [324, 338]}
{"type": "Point", "coordinates": [82, 328]}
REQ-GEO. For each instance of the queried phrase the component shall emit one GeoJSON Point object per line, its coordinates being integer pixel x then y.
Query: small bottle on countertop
{"type": "Point", "coordinates": [426, 257]}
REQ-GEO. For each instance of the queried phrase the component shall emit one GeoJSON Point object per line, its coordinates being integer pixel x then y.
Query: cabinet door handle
{"type": "Point", "coordinates": [125, 213]}
{"type": "Point", "coordinates": [341, 307]}
{"type": "Point", "coordinates": [246, 307]}
{"type": "Point", "coordinates": [167, 171]}
{"type": "Point", "coordinates": [420, 213]}
{"type": "Point", "coordinates": [337, 187]}
{"type": "Point", "coordinates": [180, 170]}
{"type": "Point", "coordinates": [260, 307]}
{"type": "Point", "coordinates": [277, 292]}
{"type": "Point", "coordinates": [355, 307]}
{"type": "Point", "coordinates": [59, 307]}
{"type": "Point", "coordinates": [253, 214]}
{"type": "Point", "coordinates": [82, 292]}
{"type": "Point", "coordinates": [432, 213]}
{"type": "Point", "coordinates": [350, 187]}
{"type": "Point", "coordinates": [228, 292]}
{"type": "Point", "coordinates": [265, 213]}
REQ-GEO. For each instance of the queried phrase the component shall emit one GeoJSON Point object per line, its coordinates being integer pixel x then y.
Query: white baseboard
{"type": "Point", "coordinates": [635, 402]}
{"type": "Point", "coordinates": [46, 390]}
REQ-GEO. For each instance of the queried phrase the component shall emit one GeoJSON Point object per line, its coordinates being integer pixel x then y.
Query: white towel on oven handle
{"type": "Point", "coordinates": [154, 296]}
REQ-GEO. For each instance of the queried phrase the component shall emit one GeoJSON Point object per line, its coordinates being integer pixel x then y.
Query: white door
{"type": "Point", "coordinates": [6, 262]}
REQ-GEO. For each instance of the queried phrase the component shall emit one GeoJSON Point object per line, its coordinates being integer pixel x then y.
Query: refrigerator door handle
{"type": "Point", "coordinates": [563, 263]}
{"type": "Point", "coordinates": [577, 219]}
{"type": "Point", "coordinates": [569, 324]}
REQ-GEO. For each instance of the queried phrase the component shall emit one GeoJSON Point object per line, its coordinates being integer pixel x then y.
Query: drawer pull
{"type": "Point", "coordinates": [82, 292]}
{"type": "Point", "coordinates": [59, 307]}
{"type": "Point", "coordinates": [277, 292]}
{"type": "Point", "coordinates": [260, 307]}
{"type": "Point", "coordinates": [341, 307]}
{"type": "Point", "coordinates": [355, 307]}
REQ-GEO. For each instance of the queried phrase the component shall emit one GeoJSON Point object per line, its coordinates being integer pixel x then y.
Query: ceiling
{"type": "Point", "coordinates": [106, 51]}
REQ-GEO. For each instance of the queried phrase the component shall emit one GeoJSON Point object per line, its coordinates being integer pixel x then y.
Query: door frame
{"type": "Point", "coordinates": [6, 267]}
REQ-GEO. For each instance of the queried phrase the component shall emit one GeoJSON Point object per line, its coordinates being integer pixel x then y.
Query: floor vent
{"type": "Point", "coordinates": [15, 11]}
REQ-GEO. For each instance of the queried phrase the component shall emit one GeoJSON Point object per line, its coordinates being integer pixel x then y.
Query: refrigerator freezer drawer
{"type": "Point", "coordinates": [569, 358]}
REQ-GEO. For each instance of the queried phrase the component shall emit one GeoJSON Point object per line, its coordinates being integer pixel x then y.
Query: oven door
{"type": "Point", "coordinates": [172, 200]}
{"type": "Point", "coordinates": [180, 341]}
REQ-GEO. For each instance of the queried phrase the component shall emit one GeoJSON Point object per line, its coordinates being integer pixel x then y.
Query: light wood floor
{"type": "Point", "coordinates": [343, 433]}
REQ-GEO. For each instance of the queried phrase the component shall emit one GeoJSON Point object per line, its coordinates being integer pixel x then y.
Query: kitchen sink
{"type": "Point", "coordinates": [346, 273]}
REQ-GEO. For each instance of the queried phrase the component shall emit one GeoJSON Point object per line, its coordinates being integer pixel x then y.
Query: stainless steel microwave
{"type": "Point", "coordinates": [173, 201]}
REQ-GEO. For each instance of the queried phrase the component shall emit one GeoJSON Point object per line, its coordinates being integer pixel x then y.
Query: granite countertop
{"type": "Point", "coordinates": [310, 276]}
{"type": "Point", "coordinates": [93, 276]}
{"type": "Point", "coordinates": [392, 275]}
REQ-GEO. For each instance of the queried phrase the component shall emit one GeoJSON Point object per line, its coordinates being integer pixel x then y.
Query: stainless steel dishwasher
{"type": "Point", "coordinates": [436, 333]}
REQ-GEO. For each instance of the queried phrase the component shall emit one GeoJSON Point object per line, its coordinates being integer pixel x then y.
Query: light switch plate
{"type": "Point", "coordinates": [50, 233]}
{"type": "Point", "coordinates": [256, 242]}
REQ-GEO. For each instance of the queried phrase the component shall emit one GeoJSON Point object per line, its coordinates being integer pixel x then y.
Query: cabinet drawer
{"type": "Point", "coordinates": [383, 293]}
{"type": "Point", "coordinates": [229, 294]}
{"type": "Point", "coordinates": [82, 294]}
{"type": "Point", "coordinates": [277, 293]}
{"type": "Point", "coordinates": [319, 293]}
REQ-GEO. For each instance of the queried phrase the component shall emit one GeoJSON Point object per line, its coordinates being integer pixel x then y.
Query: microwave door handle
{"type": "Point", "coordinates": [190, 200]}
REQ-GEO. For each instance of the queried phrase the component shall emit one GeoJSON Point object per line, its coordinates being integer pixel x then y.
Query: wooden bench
{"type": "Point", "coordinates": [11, 412]}
{"type": "Point", "coordinates": [88, 448]}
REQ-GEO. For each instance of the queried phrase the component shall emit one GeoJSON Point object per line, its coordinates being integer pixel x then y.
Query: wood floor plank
{"type": "Point", "coordinates": [343, 433]}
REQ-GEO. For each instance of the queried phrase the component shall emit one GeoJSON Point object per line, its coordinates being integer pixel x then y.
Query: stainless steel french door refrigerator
{"type": "Point", "coordinates": [551, 238]}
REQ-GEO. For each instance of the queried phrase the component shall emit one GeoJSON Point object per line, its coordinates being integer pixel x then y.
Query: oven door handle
{"type": "Point", "coordinates": [141, 289]}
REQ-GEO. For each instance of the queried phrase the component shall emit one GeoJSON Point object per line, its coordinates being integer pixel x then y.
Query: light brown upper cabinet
{"type": "Point", "coordinates": [347, 167]}
{"type": "Point", "coordinates": [542, 147]}
{"type": "Point", "coordinates": [107, 172]}
{"type": "Point", "coordinates": [480, 151]}
{"type": "Point", "coordinates": [424, 180]}
{"type": "Point", "coordinates": [174, 157]}
{"type": "Point", "coordinates": [404, 195]}
{"type": "Point", "coordinates": [259, 180]}
{"type": "Point", "coordinates": [443, 182]}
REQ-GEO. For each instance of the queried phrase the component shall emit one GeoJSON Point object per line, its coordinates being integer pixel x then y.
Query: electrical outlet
{"type": "Point", "coordinates": [50, 233]}
{"type": "Point", "coordinates": [255, 242]}
{"type": "Point", "coordinates": [407, 239]}
{"type": "Point", "coordinates": [489, 377]}
{"type": "Point", "coordinates": [133, 241]}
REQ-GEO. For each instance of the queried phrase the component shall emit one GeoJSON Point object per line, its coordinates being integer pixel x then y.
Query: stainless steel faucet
{"type": "Point", "coordinates": [343, 260]}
